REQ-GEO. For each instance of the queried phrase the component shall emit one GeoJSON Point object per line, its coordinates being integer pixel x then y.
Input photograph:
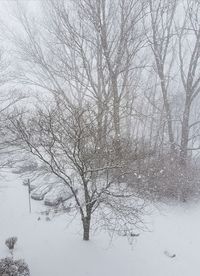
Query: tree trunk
{"type": "Point", "coordinates": [116, 103]}
{"type": "Point", "coordinates": [100, 124]}
{"type": "Point", "coordinates": [185, 134]}
{"type": "Point", "coordinates": [86, 228]}
{"type": "Point", "coordinates": [116, 117]}
{"type": "Point", "coordinates": [168, 113]}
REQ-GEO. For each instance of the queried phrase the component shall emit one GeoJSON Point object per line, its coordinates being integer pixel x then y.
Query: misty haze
{"type": "Point", "coordinates": [99, 137]}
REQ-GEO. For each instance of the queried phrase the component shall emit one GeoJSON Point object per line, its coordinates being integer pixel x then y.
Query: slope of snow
{"type": "Point", "coordinates": [55, 248]}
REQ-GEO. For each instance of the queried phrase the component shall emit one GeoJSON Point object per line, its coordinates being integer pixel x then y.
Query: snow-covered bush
{"type": "Point", "coordinates": [10, 242]}
{"type": "Point", "coordinates": [10, 267]}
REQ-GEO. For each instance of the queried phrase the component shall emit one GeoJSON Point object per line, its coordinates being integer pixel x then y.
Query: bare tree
{"type": "Point", "coordinates": [86, 51]}
{"type": "Point", "coordinates": [65, 140]}
{"type": "Point", "coordinates": [189, 56]}
{"type": "Point", "coordinates": [120, 43]}
{"type": "Point", "coordinates": [9, 96]}
{"type": "Point", "coordinates": [160, 37]}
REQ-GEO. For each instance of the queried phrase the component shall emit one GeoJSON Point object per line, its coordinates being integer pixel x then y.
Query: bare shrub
{"type": "Point", "coordinates": [10, 242]}
{"type": "Point", "coordinates": [164, 177]}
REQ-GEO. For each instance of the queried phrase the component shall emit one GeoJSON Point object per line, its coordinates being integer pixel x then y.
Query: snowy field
{"type": "Point", "coordinates": [55, 248]}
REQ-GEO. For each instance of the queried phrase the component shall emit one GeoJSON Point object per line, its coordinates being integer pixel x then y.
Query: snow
{"type": "Point", "coordinates": [55, 248]}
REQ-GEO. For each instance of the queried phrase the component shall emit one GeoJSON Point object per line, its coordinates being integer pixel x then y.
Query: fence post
{"type": "Point", "coordinates": [29, 194]}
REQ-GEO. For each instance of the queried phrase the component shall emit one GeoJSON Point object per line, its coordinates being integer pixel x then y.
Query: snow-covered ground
{"type": "Point", "coordinates": [55, 248]}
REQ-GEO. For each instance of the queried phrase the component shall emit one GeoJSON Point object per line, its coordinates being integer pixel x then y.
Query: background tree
{"type": "Point", "coordinates": [160, 37]}
{"type": "Point", "coordinates": [86, 51]}
{"type": "Point", "coordinates": [189, 56]}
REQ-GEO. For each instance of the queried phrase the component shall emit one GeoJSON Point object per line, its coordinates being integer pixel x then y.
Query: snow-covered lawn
{"type": "Point", "coordinates": [55, 248]}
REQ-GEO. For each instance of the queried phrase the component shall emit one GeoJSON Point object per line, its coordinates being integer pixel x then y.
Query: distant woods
{"type": "Point", "coordinates": [135, 63]}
